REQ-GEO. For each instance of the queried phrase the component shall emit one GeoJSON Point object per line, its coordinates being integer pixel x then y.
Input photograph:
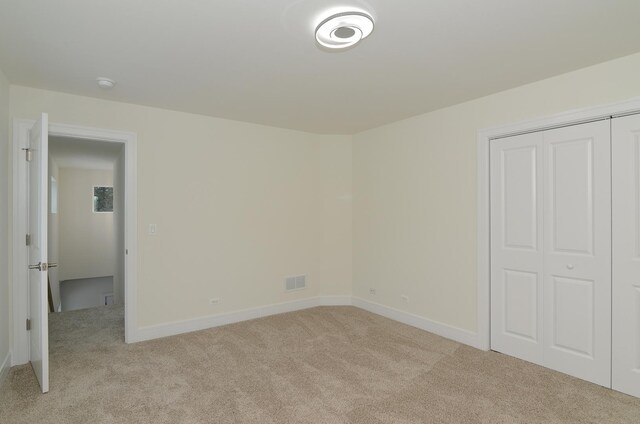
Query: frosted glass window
{"type": "Point", "coordinates": [102, 199]}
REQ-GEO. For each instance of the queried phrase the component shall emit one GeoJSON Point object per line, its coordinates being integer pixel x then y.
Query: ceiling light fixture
{"type": "Point", "coordinates": [105, 83]}
{"type": "Point", "coordinates": [343, 30]}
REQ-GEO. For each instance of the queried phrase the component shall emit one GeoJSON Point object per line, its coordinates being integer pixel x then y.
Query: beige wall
{"type": "Point", "coordinates": [5, 310]}
{"type": "Point", "coordinates": [238, 206]}
{"type": "Point", "coordinates": [87, 246]}
{"type": "Point", "coordinates": [415, 191]}
{"type": "Point", "coordinates": [333, 164]}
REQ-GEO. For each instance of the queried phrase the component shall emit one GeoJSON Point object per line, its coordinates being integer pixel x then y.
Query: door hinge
{"type": "Point", "coordinates": [27, 240]}
{"type": "Point", "coordinates": [28, 153]}
{"type": "Point", "coordinates": [28, 324]}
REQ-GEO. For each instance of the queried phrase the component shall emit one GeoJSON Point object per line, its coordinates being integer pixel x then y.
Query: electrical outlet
{"type": "Point", "coordinates": [214, 300]}
{"type": "Point", "coordinates": [372, 292]}
{"type": "Point", "coordinates": [405, 298]}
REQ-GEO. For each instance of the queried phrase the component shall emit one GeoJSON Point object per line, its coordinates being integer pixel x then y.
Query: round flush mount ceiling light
{"type": "Point", "coordinates": [343, 30]}
{"type": "Point", "coordinates": [105, 83]}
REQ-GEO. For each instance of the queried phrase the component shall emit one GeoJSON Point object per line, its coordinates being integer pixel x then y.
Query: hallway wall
{"type": "Point", "coordinates": [84, 293]}
{"type": "Point", "coordinates": [86, 237]}
{"type": "Point", "coordinates": [119, 227]}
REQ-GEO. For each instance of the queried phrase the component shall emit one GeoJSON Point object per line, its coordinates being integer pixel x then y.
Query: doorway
{"type": "Point", "coordinates": [85, 232]}
{"type": "Point", "coordinates": [124, 143]}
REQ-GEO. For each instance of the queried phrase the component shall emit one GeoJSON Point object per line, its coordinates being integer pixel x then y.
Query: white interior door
{"type": "Point", "coordinates": [38, 312]}
{"type": "Point", "coordinates": [551, 249]}
{"type": "Point", "coordinates": [577, 261]}
{"type": "Point", "coordinates": [626, 255]}
{"type": "Point", "coordinates": [516, 246]}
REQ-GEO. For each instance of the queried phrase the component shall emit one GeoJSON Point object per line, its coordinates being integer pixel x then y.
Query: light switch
{"type": "Point", "coordinates": [153, 229]}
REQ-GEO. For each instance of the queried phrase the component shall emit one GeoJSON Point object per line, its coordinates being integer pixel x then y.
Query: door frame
{"type": "Point", "coordinates": [484, 137]}
{"type": "Point", "coordinates": [19, 262]}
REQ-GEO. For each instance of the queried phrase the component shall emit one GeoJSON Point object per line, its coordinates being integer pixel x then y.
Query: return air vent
{"type": "Point", "coordinates": [297, 282]}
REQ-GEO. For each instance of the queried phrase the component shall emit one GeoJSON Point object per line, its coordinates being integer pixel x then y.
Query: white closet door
{"type": "Point", "coordinates": [626, 255]}
{"type": "Point", "coordinates": [516, 246]}
{"type": "Point", "coordinates": [577, 251]}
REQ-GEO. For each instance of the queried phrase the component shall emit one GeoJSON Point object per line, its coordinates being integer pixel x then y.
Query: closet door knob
{"type": "Point", "coordinates": [569, 266]}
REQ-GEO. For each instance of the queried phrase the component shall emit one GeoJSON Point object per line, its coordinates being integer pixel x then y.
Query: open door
{"type": "Point", "coordinates": [37, 155]}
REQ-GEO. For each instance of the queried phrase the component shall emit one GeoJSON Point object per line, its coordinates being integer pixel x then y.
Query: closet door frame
{"type": "Point", "coordinates": [484, 137]}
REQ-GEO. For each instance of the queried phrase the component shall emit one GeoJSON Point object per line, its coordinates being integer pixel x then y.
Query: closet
{"type": "Point", "coordinates": [625, 368]}
{"type": "Point", "coordinates": [565, 250]}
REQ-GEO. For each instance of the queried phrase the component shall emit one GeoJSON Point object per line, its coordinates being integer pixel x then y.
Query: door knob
{"type": "Point", "coordinates": [43, 266]}
{"type": "Point", "coordinates": [569, 266]}
{"type": "Point", "coordinates": [40, 266]}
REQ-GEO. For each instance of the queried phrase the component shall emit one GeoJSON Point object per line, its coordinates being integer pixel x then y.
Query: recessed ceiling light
{"type": "Point", "coordinates": [105, 83]}
{"type": "Point", "coordinates": [343, 30]}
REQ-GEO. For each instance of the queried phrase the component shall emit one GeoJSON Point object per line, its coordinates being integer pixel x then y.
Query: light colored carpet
{"type": "Point", "coordinates": [322, 365]}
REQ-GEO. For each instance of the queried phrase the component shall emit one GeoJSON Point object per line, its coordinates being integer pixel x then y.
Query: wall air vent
{"type": "Point", "coordinates": [297, 282]}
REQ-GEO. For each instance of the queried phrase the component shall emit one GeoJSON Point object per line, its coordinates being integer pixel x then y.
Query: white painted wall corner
{"type": "Point", "coordinates": [447, 331]}
{"type": "Point", "coordinates": [187, 326]}
{"type": "Point", "coordinates": [334, 300]}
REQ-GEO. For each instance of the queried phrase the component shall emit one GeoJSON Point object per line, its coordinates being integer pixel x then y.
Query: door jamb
{"type": "Point", "coordinates": [20, 351]}
{"type": "Point", "coordinates": [484, 137]}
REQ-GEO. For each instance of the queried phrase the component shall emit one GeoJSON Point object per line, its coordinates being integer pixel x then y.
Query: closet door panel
{"type": "Point", "coordinates": [571, 193]}
{"type": "Point", "coordinates": [516, 261]}
{"type": "Point", "coordinates": [577, 252]}
{"type": "Point", "coordinates": [626, 254]}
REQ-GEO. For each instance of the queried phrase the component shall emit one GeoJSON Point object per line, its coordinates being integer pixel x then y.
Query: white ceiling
{"type": "Point", "coordinates": [256, 60]}
{"type": "Point", "coordinates": [85, 154]}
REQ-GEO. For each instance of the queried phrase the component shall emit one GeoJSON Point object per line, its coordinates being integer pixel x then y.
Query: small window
{"type": "Point", "coordinates": [102, 199]}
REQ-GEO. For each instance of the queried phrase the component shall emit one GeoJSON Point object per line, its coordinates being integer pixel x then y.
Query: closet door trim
{"type": "Point", "coordinates": [484, 137]}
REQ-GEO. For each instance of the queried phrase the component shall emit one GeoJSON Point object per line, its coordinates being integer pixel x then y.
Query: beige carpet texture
{"type": "Point", "coordinates": [321, 365]}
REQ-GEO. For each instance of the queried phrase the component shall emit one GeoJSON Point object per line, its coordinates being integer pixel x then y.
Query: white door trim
{"type": "Point", "coordinates": [485, 136]}
{"type": "Point", "coordinates": [20, 351]}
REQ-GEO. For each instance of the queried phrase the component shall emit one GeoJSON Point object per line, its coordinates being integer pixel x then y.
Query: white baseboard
{"type": "Point", "coordinates": [179, 327]}
{"type": "Point", "coordinates": [454, 333]}
{"type": "Point", "coordinates": [334, 300]}
{"type": "Point", "coordinates": [5, 367]}
{"type": "Point", "coordinates": [187, 326]}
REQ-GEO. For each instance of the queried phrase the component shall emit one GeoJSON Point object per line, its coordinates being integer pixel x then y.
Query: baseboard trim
{"type": "Point", "coordinates": [196, 324]}
{"type": "Point", "coordinates": [334, 301]}
{"type": "Point", "coordinates": [186, 326]}
{"type": "Point", "coordinates": [4, 368]}
{"type": "Point", "coordinates": [454, 333]}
